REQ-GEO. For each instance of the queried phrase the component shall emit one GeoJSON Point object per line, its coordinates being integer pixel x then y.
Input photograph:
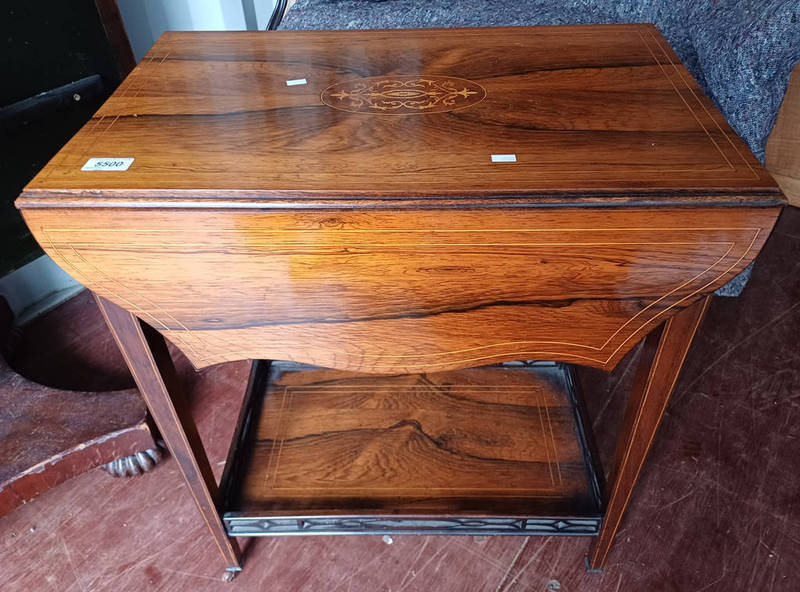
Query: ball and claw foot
{"type": "Point", "coordinates": [136, 464]}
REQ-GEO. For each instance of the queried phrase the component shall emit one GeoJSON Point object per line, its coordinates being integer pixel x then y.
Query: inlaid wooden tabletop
{"type": "Point", "coordinates": [535, 113]}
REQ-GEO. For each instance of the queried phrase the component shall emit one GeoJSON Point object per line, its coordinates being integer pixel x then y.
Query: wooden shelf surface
{"type": "Point", "coordinates": [498, 441]}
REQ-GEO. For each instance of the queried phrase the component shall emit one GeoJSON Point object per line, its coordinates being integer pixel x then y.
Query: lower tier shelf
{"type": "Point", "coordinates": [492, 450]}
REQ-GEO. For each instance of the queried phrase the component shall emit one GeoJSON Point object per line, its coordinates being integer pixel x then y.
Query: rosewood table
{"type": "Point", "coordinates": [402, 221]}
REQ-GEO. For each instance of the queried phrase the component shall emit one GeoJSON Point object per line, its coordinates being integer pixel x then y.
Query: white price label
{"type": "Point", "coordinates": [504, 158]}
{"type": "Point", "coordinates": [296, 81]}
{"type": "Point", "coordinates": [107, 164]}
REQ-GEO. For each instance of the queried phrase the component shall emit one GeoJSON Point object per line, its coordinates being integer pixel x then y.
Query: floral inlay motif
{"type": "Point", "coordinates": [403, 94]}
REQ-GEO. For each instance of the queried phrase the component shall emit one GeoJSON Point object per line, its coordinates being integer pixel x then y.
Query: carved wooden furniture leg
{"type": "Point", "coordinates": [135, 464]}
{"type": "Point", "coordinates": [46, 436]}
{"type": "Point", "coordinates": [146, 354]}
{"type": "Point", "coordinates": [659, 366]}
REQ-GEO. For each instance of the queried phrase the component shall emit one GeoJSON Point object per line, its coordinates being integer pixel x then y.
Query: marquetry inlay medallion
{"type": "Point", "coordinates": [403, 94]}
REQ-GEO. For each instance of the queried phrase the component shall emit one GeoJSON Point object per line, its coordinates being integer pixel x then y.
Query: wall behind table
{"type": "Point", "coordinates": [145, 20]}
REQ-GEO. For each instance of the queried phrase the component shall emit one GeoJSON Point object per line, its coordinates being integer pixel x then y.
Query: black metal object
{"type": "Point", "coordinates": [46, 45]}
{"type": "Point", "coordinates": [277, 15]}
{"type": "Point", "coordinates": [326, 525]}
{"type": "Point", "coordinates": [89, 89]}
{"type": "Point", "coordinates": [31, 132]}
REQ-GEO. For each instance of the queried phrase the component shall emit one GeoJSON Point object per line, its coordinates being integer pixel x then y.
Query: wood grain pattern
{"type": "Point", "coordinates": [405, 290]}
{"type": "Point", "coordinates": [148, 359]}
{"type": "Point", "coordinates": [606, 109]}
{"type": "Point", "coordinates": [684, 527]}
{"type": "Point", "coordinates": [496, 441]}
{"type": "Point", "coordinates": [259, 222]}
{"type": "Point", "coordinates": [659, 367]}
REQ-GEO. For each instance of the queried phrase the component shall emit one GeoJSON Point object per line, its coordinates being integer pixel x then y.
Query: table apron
{"type": "Point", "coordinates": [404, 291]}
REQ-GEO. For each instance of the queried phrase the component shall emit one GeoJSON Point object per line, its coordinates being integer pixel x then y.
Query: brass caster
{"type": "Point", "coordinates": [230, 574]}
{"type": "Point", "coordinates": [589, 569]}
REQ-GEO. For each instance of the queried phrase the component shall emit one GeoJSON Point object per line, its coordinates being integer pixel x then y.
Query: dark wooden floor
{"type": "Point", "coordinates": [717, 509]}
